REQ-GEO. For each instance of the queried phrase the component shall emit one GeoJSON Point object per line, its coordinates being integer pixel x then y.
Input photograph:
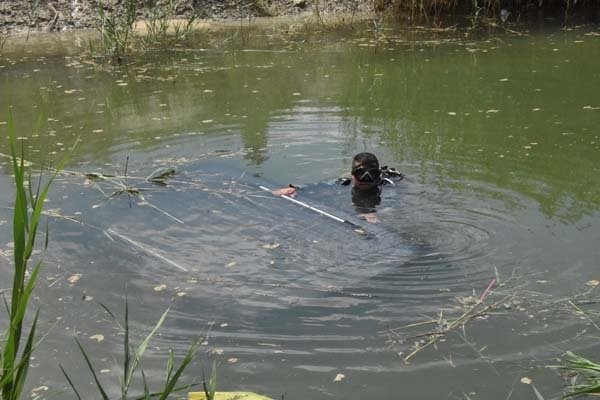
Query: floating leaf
{"type": "Point", "coordinates": [34, 391]}
{"type": "Point", "coordinates": [160, 288]}
{"type": "Point", "coordinates": [74, 278]}
{"type": "Point", "coordinates": [97, 337]}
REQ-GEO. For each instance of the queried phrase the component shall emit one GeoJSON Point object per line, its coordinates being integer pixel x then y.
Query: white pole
{"type": "Point", "coordinates": [300, 203]}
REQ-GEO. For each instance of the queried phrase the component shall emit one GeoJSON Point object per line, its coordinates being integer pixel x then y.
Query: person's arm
{"type": "Point", "coordinates": [291, 191]}
{"type": "Point", "coordinates": [370, 217]}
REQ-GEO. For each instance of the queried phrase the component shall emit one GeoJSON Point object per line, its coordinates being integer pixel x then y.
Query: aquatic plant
{"type": "Point", "coordinates": [116, 28]}
{"type": "Point", "coordinates": [164, 27]}
{"type": "Point", "coordinates": [3, 39]}
{"type": "Point", "coordinates": [262, 9]}
{"type": "Point", "coordinates": [132, 359]}
{"type": "Point", "coordinates": [14, 360]}
{"type": "Point", "coordinates": [210, 387]}
{"type": "Point", "coordinates": [585, 375]}
{"type": "Point", "coordinates": [475, 10]}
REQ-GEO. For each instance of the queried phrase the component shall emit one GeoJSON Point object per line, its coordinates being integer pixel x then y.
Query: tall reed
{"type": "Point", "coordinates": [163, 27]}
{"type": "Point", "coordinates": [116, 28]}
{"type": "Point", "coordinates": [3, 39]}
{"type": "Point", "coordinates": [27, 211]}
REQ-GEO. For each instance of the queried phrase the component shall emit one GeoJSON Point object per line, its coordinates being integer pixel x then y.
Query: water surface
{"type": "Point", "coordinates": [497, 136]}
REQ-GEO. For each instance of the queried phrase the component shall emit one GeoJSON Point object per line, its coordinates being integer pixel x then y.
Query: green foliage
{"type": "Point", "coordinates": [586, 375]}
{"type": "Point", "coordinates": [14, 361]}
{"type": "Point", "coordinates": [415, 9]}
{"type": "Point", "coordinates": [3, 39]}
{"type": "Point", "coordinates": [210, 387]}
{"type": "Point", "coordinates": [262, 9]}
{"type": "Point", "coordinates": [116, 29]}
{"type": "Point", "coordinates": [132, 359]}
{"type": "Point", "coordinates": [163, 29]}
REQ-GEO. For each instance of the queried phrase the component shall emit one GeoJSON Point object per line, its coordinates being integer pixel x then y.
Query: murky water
{"type": "Point", "coordinates": [498, 137]}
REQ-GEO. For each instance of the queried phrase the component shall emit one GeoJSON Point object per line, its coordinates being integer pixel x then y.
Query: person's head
{"type": "Point", "coordinates": [366, 174]}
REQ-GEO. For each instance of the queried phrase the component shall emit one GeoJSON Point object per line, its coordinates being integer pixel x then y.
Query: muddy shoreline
{"type": "Point", "coordinates": [62, 15]}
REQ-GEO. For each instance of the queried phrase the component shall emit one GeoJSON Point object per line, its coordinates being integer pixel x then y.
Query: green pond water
{"type": "Point", "coordinates": [497, 135]}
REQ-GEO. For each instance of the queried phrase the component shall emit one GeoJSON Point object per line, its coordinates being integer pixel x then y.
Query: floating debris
{"type": "Point", "coordinates": [160, 288]}
{"type": "Point", "coordinates": [74, 278]}
{"type": "Point", "coordinates": [97, 337]}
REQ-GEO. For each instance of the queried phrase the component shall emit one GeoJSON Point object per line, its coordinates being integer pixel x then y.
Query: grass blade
{"type": "Point", "coordinates": [23, 367]}
{"type": "Point", "coordinates": [70, 381]}
{"type": "Point", "coordinates": [170, 362]}
{"type": "Point", "coordinates": [191, 353]}
{"type": "Point", "coordinates": [89, 364]}
{"type": "Point", "coordinates": [146, 389]}
{"type": "Point", "coordinates": [139, 352]}
{"type": "Point", "coordinates": [126, 352]}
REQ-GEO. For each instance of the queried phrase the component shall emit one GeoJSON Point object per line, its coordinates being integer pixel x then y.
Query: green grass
{"type": "Point", "coordinates": [3, 39]}
{"type": "Point", "coordinates": [164, 27]}
{"type": "Point", "coordinates": [19, 340]}
{"type": "Point", "coordinates": [131, 365]}
{"type": "Point", "coordinates": [415, 10]}
{"type": "Point", "coordinates": [27, 211]}
{"type": "Point", "coordinates": [116, 29]}
{"type": "Point", "coordinates": [586, 375]}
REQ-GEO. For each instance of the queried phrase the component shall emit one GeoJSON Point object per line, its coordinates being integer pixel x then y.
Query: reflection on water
{"type": "Point", "coordinates": [497, 138]}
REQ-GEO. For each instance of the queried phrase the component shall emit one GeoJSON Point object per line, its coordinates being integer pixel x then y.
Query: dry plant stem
{"type": "Point", "coordinates": [463, 319]}
{"type": "Point", "coordinates": [585, 315]}
{"type": "Point", "coordinates": [477, 351]}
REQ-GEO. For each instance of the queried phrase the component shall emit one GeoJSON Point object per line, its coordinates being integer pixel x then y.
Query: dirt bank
{"type": "Point", "coordinates": [58, 15]}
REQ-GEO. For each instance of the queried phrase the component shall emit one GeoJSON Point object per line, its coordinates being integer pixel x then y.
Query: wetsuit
{"type": "Point", "coordinates": [366, 201]}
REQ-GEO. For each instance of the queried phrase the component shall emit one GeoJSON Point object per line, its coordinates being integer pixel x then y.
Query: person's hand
{"type": "Point", "coordinates": [369, 217]}
{"type": "Point", "coordinates": [288, 191]}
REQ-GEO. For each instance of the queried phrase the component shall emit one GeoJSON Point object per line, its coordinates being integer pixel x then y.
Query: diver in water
{"type": "Point", "coordinates": [367, 178]}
